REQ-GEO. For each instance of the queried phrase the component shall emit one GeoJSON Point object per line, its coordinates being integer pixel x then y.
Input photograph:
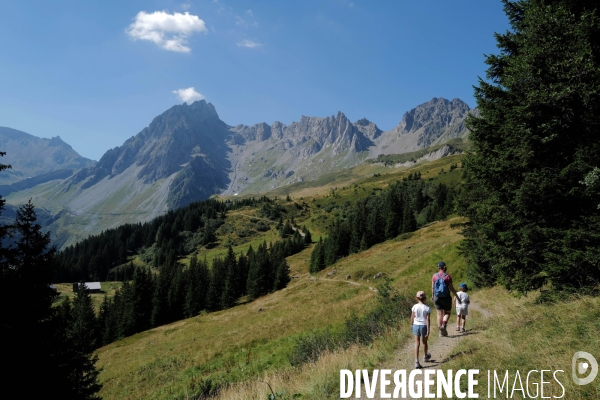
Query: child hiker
{"type": "Point", "coordinates": [419, 320]}
{"type": "Point", "coordinates": [462, 309]}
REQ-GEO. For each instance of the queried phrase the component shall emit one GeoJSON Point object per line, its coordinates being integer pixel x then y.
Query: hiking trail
{"type": "Point", "coordinates": [439, 347]}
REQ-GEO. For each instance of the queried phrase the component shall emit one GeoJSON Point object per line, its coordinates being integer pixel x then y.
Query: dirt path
{"type": "Point", "coordinates": [439, 347]}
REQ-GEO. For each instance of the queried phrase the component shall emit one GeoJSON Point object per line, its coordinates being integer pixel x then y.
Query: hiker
{"type": "Point", "coordinates": [420, 321]}
{"type": "Point", "coordinates": [462, 310]}
{"type": "Point", "coordinates": [441, 287]}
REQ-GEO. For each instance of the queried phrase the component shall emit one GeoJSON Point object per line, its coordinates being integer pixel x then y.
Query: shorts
{"type": "Point", "coordinates": [462, 311]}
{"type": "Point", "coordinates": [419, 330]}
{"type": "Point", "coordinates": [443, 303]}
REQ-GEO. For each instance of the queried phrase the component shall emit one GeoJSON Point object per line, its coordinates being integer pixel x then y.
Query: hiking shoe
{"type": "Point", "coordinates": [427, 357]}
{"type": "Point", "coordinates": [417, 365]}
{"type": "Point", "coordinates": [443, 330]}
{"type": "Point", "coordinates": [463, 329]}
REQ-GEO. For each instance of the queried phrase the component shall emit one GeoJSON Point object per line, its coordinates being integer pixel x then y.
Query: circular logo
{"type": "Point", "coordinates": [581, 367]}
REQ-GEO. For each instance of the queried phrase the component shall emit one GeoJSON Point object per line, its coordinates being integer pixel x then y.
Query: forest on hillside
{"type": "Point", "coordinates": [403, 207]}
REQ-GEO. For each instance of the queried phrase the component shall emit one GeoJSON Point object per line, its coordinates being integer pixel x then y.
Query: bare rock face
{"type": "Point", "coordinates": [368, 128]}
{"type": "Point", "coordinates": [311, 134]}
{"type": "Point", "coordinates": [425, 124]}
{"type": "Point", "coordinates": [166, 144]}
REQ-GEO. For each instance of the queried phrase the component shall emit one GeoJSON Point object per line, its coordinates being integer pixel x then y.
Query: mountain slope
{"type": "Point", "coordinates": [424, 125]}
{"type": "Point", "coordinates": [265, 157]}
{"type": "Point", "coordinates": [188, 154]}
{"type": "Point", "coordinates": [31, 156]}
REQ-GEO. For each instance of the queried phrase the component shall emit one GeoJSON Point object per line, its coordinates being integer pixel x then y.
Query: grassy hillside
{"type": "Point", "coordinates": [243, 342]}
{"type": "Point", "coordinates": [245, 350]}
{"type": "Point", "coordinates": [319, 209]}
{"type": "Point", "coordinates": [523, 335]}
{"type": "Point", "coordinates": [237, 344]}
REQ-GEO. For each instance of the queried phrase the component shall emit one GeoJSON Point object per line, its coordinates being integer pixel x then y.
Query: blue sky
{"type": "Point", "coordinates": [96, 73]}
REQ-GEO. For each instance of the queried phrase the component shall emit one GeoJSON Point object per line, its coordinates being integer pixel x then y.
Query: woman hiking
{"type": "Point", "coordinates": [441, 287]}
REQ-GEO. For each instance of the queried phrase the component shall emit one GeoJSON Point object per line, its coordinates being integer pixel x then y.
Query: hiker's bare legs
{"type": "Point", "coordinates": [417, 348]}
{"type": "Point", "coordinates": [440, 318]}
{"type": "Point", "coordinates": [446, 317]}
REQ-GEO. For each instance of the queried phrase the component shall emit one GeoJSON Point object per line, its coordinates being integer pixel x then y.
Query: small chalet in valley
{"type": "Point", "coordinates": [92, 287]}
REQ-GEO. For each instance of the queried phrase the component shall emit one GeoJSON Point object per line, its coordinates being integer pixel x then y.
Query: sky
{"type": "Point", "coordinates": [96, 73]}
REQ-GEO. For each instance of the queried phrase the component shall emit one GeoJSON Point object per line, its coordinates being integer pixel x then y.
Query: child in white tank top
{"type": "Point", "coordinates": [420, 321]}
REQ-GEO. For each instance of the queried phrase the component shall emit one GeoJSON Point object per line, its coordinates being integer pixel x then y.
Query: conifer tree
{"type": "Point", "coordinates": [243, 274]}
{"type": "Point", "coordinates": [143, 291]}
{"type": "Point", "coordinates": [82, 335]}
{"type": "Point", "coordinates": [531, 219]}
{"type": "Point", "coordinates": [102, 336]}
{"type": "Point", "coordinates": [307, 235]}
{"type": "Point", "coordinates": [218, 275]}
{"type": "Point", "coordinates": [230, 294]}
{"type": "Point", "coordinates": [33, 328]}
{"type": "Point", "coordinates": [199, 277]}
{"type": "Point", "coordinates": [84, 323]}
{"type": "Point", "coordinates": [160, 300]}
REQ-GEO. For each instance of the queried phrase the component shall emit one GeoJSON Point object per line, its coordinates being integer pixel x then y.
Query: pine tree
{"type": "Point", "coordinates": [143, 291]}
{"type": "Point", "coordinates": [82, 335]}
{"type": "Point", "coordinates": [531, 219]}
{"type": "Point", "coordinates": [84, 322]}
{"type": "Point", "coordinates": [307, 235]}
{"type": "Point", "coordinates": [229, 294]}
{"type": "Point", "coordinates": [199, 277]}
{"type": "Point", "coordinates": [282, 276]}
{"type": "Point", "coordinates": [33, 328]}
{"type": "Point", "coordinates": [160, 301]}
{"type": "Point", "coordinates": [218, 275]}
{"type": "Point", "coordinates": [102, 336]}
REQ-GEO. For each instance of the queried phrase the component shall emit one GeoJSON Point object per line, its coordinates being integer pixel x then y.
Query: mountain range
{"type": "Point", "coordinates": [188, 153]}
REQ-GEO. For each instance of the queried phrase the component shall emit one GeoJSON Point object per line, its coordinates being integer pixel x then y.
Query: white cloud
{"type": "Point", "coordinates": [188, 95]}
{"type": "Point", "coordinates": [249, 44]}
{"type": "Point", "coordinates": [249, 12]}
{"type": "Point", "coordinates": [168, 31]}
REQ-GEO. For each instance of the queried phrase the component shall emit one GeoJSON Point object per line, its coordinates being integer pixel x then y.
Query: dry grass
{"type": "Point", "coordinates": [242, 343]}
{"type": "Point", "coordinates": [526, 336]}
{"type": "Point", "coordinates": [315, 381]}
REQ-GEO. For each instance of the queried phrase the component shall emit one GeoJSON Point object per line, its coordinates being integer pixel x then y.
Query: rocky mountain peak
{"type": "Point", "coordinates": [429, 120]}
{"type": "Point", "coordinates": [435, 112]}
{"type": "Point", "coordinates": [166, 144]}
{"type": "Point", "coordinates": [368, 128]}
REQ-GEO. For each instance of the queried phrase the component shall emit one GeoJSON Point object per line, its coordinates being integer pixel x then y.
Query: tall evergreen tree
{"type": "Point", "coordinates": [230, 287]}
{"type": "Point", "coordinates": [82, 335]}
{"type": "Point", "coordinates": [199, 279]}
{"type": "Point", "coordinates": [532, 220]}
{"type": "Point", "coordinates": [282, 275]}
{"type": "Point", "coordinates": [143, 291]}
{"type": "Point", "coordinates": [35, 330]}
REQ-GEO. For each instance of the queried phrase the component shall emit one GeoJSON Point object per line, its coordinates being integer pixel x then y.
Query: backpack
{"type": "Point", "coordinates": [440, 289]}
